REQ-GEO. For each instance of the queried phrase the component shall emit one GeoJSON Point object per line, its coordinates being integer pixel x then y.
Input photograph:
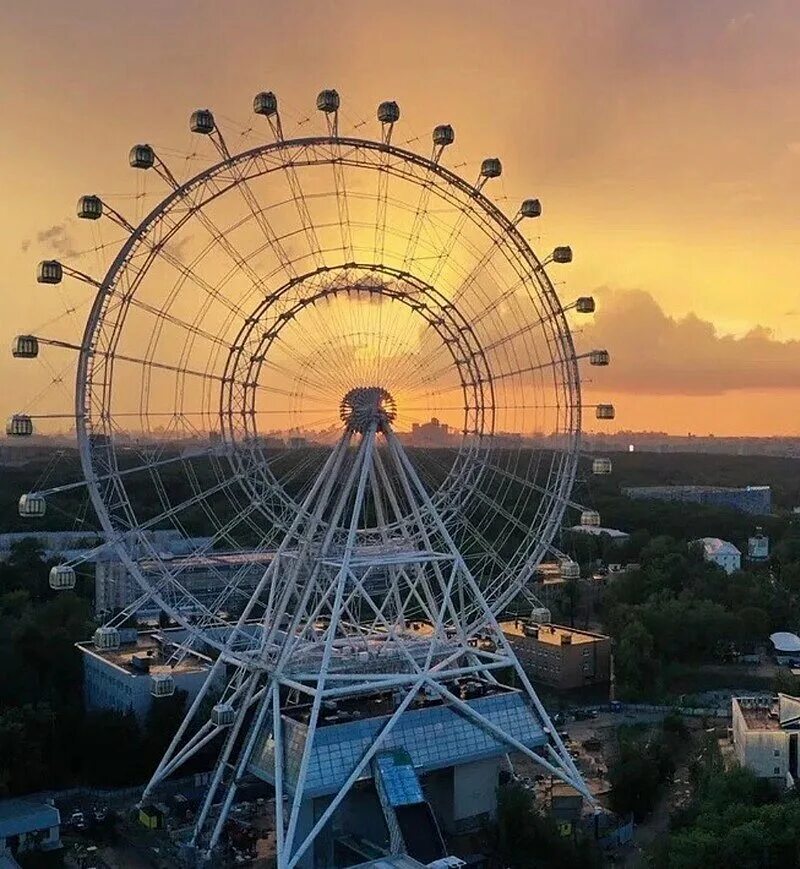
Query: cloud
{"type": "Point", "coordinates": [654, 353]}
{"type": "Point", "coordinates": [26, 243]}
{"type": "Point", "coordinates": [57, 239]}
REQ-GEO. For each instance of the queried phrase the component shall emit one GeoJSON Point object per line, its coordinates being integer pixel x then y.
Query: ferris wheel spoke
{"type": "Point", "coordinates": [272, 238]}
{"type": "Point", "coordinates": [304, 215]}
{"type": "Point", "coordinates": [340, 186]}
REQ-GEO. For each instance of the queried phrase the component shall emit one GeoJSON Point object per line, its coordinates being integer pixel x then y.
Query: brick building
{"type": "Point", "coordinates": [559, 656]}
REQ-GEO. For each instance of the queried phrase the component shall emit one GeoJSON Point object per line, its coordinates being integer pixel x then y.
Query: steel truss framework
{"type": "Point", "coordinates": [316, 644]}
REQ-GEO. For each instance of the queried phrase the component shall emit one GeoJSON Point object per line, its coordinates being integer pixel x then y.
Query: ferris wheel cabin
{"type": "Point", "coordinates": [25, 347]}
{"type": "Point", "coordinates": [601, 466]}
{"type": "Point", "coordinates": [599, 357]}
{"type": "Point", "coordinates": [90, 208]}
{"type": "Point", "coordinates": [590, 519]}
{"type": "Point", "coordinates": [20, 425]}
{"type": "Point", "coordinates": [531, 208]}
{"type": "Point", "coordinates": [62, 577]}
{"type": "Point", "coordinates": [265, 103]}
{"type": "Point", "coordinates": [141, 157]}
{"type": "Point", "coordinates": [163, 685]}
{"type": "Point", "coordinates": [49, 271]}
{"type": "Point", "coordinates": [202, 121]}
{"type": "Point", "coordinates": [328, 101]}
{"type": "Point", "coordinates": [443, 135]}
{"type": "Point", "coordinates": [32, 506]}
{"type": "Point", "coordinates": [388, 112]}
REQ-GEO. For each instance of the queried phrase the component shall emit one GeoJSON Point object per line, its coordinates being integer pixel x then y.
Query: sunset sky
{"type": "Point", "coordinates": [662, 136]}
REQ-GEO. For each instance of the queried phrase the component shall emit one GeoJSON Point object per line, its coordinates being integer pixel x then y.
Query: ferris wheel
{"type": "Point", "coordinates": [322, 355]}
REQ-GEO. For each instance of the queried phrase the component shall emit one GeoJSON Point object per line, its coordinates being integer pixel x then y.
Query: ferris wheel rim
{"type": "Point", "coordinates": [568, 357]}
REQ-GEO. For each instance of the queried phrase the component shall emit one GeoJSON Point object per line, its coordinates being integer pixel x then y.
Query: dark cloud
{"type": "Point", "coordinates": [57, 239]}
{"type": "Point", "coordinates": [654, 353]}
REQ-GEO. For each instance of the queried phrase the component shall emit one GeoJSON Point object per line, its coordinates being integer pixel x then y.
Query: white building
{"type": "Point", "coordinates": [122, 679]}
{"type": "Point", "coordinates": [765, 736]}
{"type": "Point", "coordinates": [614, 534]}
{"type": "Point", "coordinates": [720, 552]}
{"type": "Point", "coordinates": [785, 647]}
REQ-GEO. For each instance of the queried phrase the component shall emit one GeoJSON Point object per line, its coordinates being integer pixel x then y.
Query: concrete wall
{"type": "Point", "coordinates": [475, 793]}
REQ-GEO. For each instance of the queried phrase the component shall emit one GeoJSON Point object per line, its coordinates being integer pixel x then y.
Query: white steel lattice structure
{"type": "Point", "coordinates": [344, 365]}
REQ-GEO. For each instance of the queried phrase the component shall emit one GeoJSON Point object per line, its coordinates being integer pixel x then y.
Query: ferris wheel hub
{"type": "Point", "coordinates": [366, 407]}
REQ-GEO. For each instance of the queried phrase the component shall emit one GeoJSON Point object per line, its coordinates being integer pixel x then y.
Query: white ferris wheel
{"type": "Point", "coordinates": [341, 370]}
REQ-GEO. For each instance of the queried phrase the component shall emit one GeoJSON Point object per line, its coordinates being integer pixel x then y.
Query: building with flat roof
{"type": "Point", "coordinates": [28, 825]}
{"type": "Point", "coordinates": [615, 534]}
{"type": "Point", "coordinates": [765, 736]}
{"type": "Point", "coordinates": [721, 552]}
{"type": "Point", "coordinates": [122, 679]}
{"type": "Point", "coordinates": [437, 772]}
{"type": "Point", "coordinates": [204, 576]}
{"type": "Point", "coordinates": [748, 499]}
{"type": "Point", "coordinates": [560, 656]}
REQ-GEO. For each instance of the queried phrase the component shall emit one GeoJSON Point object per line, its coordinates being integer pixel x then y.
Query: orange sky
{"type": "Point", "coordinates": [662, 137]}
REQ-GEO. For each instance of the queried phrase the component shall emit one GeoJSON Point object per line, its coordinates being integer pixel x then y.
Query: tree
{"type": "Point", "coordinates": [635, 666]}
{"type": "Point", "coordinates": [642, 764]}
{"type": "Point", "coordinates": [526, 839]}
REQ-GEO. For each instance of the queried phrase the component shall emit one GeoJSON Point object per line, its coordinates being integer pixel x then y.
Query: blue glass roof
{"type": "Point", "coordinates": [434, 737]}
{"type": "Point", "coordinates": [399, 778]}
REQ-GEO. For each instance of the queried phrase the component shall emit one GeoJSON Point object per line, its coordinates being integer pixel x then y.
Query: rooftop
{"type": "Point", "coordinates": [782, 713]}
{"type": "Point", "coordinates": [597, 530]}
{"type": "Point", "coordinates": [24, 816]}
{"type": "Point", "coordinates": [715, 546]}
{"type": "Point", "coordinates": [785, 641]}
{"type": "Point", "coordinates": [151, 646]}
{"type": "Point", "coordinates": [384, 703]}
{"type": "Point", "coordinates": [551, 634]}
{"type": "Point", "coordinates": [760, 718]}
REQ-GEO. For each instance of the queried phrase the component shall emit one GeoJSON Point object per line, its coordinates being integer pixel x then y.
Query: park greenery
{"type": "Point", "coordinates": [645, 761]}
{"type": "Point", "coordinates": [47, 739]}
{"type": "Point", "coordinates": [733, 819]}
{"type": "Point", "coordinates": [675, 613]}
{"type": "Point", "coordinates": [525, 838]}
